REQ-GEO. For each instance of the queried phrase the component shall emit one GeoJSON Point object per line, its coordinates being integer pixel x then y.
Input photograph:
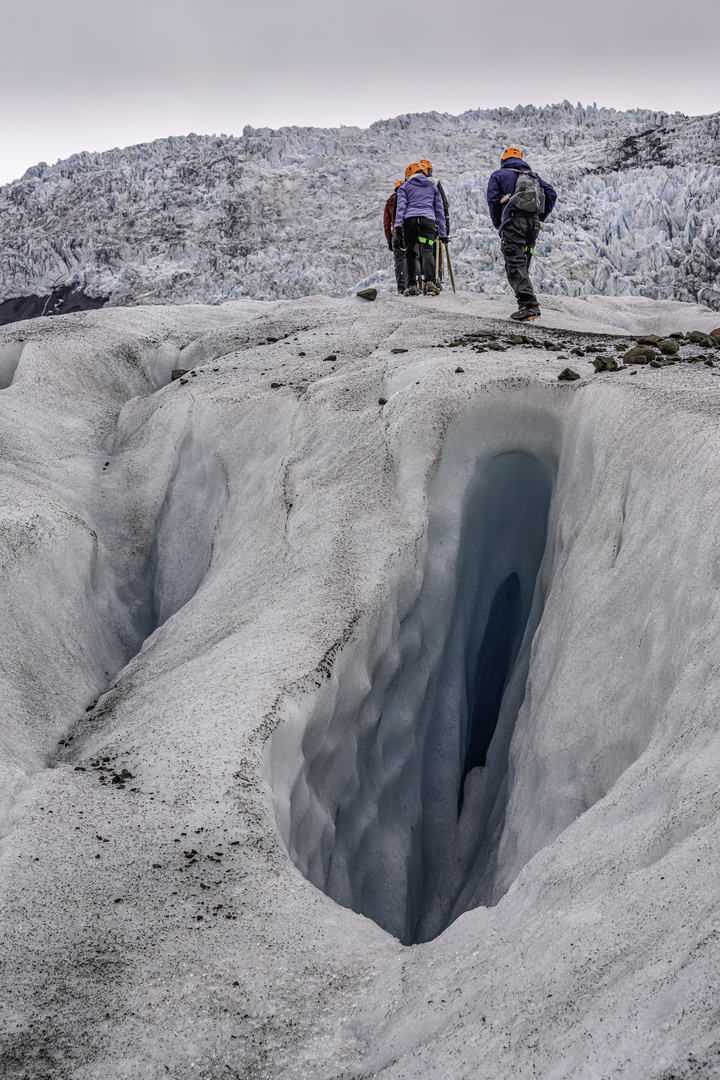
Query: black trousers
{"type": "Point", "coordinates": [398, 250]}
{"type": "Point", "coordinates": [517, 243]}
{"type": "Point", "coordinates": [420, 239]}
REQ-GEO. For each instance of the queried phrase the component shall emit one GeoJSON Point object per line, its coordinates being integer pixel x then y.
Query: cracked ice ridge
{"type": "Point", "coordinates": [290, 213]}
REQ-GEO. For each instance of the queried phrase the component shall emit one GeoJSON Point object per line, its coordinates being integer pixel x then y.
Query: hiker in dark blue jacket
{"type": "Point", "coordinates": [421, 216]}
{"type": "Point", "coordinates": [518, 229]}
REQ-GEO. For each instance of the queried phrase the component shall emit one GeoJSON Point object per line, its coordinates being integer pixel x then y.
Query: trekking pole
{"type": "Point", "coordinates": [447, 252]}
{"type": "Point", "coordinates": [442, 261]}
{"type": "Point", "coordinates": [437, 257]}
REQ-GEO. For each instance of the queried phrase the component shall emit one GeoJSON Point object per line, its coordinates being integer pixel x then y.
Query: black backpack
{"type": "Point", "coordinates": [529, 195]}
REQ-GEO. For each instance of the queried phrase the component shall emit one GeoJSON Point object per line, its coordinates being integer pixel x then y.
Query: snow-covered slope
{"type": "Point", "coordinates": [298, 211]}
{"type": "Point", "coordinates": [251, 737]}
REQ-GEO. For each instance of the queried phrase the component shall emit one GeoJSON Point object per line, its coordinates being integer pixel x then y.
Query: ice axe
{"type": "Point", "coordinates": [447, 252]}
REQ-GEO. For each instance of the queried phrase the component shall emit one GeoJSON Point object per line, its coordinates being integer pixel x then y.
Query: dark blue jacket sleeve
{"type": "Point", "coordinates": [494, 195]}
{"type": "Point", "coordinates": [550, 198]}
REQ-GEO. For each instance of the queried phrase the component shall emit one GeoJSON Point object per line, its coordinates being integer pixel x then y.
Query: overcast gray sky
{"type": "Point", "coordinates": [93, 74]}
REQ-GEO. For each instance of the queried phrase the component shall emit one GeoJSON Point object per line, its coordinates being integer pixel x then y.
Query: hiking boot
{"type": "Point", "coordinates": [432, 288]}
{"type": "Point", "coordinates": [526, 314]}
{"type": "Point", "coordinates": [412, 290]}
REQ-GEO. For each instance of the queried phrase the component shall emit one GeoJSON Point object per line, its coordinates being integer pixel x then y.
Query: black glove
{"type": "Point", "coordinates": [444, 239]}
{"type": "Point", "coordinates": [389, 245]}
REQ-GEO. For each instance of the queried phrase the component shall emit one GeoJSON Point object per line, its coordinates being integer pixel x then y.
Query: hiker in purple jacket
{"type": "Point", "coordinates": [421, 216]}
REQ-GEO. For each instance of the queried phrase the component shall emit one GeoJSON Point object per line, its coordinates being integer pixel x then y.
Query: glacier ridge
{"type": "Point", "coordinates": [298, 211]}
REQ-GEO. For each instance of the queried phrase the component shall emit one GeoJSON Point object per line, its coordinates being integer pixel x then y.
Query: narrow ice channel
{"type": "Point", "coordinates": [396, 806]}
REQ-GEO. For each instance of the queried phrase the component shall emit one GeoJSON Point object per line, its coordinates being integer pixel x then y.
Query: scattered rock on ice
{"type": "Point", "coordinates": [700, 337]}
{"type": "Point", "coordinates": [639, 354]}
{"type": "Point", "coordinates": [605, 363]}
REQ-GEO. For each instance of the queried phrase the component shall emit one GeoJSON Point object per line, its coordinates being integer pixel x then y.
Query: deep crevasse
{"type": "Point", "coordinates": [392, 801]}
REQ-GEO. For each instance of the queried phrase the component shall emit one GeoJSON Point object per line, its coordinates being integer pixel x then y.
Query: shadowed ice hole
{"type": "Point", "coordinates": [391, 794]}
{"type": "Point", "coordinates": [494, 665]}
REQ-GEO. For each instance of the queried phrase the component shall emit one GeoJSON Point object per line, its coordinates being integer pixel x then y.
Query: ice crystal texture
{"type": "Point", "coordinates": [294, 212]}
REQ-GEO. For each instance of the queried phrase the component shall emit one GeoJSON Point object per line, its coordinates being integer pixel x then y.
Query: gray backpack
{"type": "Point", "coordinates": [529, 195]}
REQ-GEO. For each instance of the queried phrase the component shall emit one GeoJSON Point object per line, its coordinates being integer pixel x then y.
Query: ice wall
{"type": "Point", "coordinates": [99, 547]}
{"type": "Point", "coordinates": [294, 212]}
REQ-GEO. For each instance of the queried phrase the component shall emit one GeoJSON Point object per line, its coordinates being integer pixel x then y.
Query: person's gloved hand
{"type": "Point", "coordinates": [444, 239]}
{"type": "Point", "coordinates": [389, 245]}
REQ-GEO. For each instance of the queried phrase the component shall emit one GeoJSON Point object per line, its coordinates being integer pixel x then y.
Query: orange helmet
{"type": "Point", "coordinates": [512, 151]}
{"type": "Point", "coordinates": [398, 183]}
{"type": "Point", "coordinates": [428, 165]}
{"type": "Point", "coordinates": [415, 167]}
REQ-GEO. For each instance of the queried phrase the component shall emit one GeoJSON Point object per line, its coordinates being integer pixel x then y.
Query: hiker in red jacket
{"type": "Point", "coordinates": [395, 240]}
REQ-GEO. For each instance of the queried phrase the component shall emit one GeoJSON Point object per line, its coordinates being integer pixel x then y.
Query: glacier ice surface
{"type": "Point", "coordinates": [213, 590]}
